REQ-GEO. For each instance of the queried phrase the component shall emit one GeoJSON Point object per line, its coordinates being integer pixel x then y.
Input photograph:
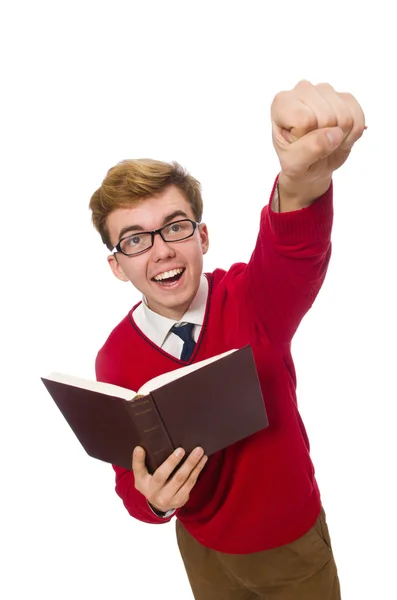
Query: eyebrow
{"type": "Point", "coordinates": [167, 219]}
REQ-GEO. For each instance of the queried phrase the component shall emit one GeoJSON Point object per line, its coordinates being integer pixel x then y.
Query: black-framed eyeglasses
{"type": "Point", "coordinates": [140, 241]}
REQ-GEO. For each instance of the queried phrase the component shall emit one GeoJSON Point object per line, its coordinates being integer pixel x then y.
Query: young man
{"type": "Point", "coordinates": [249, 520]}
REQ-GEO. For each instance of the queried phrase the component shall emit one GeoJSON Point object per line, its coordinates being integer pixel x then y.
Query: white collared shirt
{"type": "Point", "coordinates": [157, 328]}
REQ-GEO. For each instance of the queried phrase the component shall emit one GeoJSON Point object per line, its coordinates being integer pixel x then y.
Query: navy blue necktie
{"type": "Point", "coordinates": [185, 332]}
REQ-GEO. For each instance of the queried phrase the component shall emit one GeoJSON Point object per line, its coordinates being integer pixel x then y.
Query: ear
{"type": "Point", "coordinates": [204, 239]}
{"type": "Point", "coordinates": [116, 268]}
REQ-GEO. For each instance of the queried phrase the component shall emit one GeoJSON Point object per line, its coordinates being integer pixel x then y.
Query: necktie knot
{"type": "Point", "coordinates": [185, 332]}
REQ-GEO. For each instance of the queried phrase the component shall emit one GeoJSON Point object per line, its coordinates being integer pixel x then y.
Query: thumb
{"type": "Point", "coordinates": [312, 147]}
{"type": "Point", "coordinates": [138, 462]}
{"type": "Point", "coordinates": [334, 136]}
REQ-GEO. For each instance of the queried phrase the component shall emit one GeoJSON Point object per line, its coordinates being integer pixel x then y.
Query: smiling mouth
{"type": "Point", "coordinates": [169, 276]}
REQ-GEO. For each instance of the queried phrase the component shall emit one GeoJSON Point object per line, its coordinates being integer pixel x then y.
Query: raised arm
{"type": "Point", "coordinates": [314, 129]}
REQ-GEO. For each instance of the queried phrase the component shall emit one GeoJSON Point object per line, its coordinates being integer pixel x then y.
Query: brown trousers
{"type": "Point", "coordinates": [303, 570]}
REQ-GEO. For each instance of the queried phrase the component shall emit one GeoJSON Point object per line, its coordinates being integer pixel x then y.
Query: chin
{"type": "Point", "coordinates": [174, 304]}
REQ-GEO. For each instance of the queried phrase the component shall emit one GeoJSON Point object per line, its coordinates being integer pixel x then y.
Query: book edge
{"type": "Point", "coordinates": [169, 376]}
{"type": "Point", "coordinates": [100, 387]}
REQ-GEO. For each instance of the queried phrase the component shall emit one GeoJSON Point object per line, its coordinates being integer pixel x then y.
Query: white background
{"type": "Point", "coordinates": [85, 85]}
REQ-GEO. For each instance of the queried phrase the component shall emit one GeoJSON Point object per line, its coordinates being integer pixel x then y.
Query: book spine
{"type": "Point", "coordinates": [151, 431]}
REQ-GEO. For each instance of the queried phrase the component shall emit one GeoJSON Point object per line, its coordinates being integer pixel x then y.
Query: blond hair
{"type": "Point", "coordinates": [131, 181]}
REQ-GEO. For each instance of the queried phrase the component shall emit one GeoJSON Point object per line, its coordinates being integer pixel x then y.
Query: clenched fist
{"type": "Point", "coordinates": [314, 129]}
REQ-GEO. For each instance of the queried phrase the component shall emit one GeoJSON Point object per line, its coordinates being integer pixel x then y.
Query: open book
{"type": "Point", "coordinates": [213, 403]}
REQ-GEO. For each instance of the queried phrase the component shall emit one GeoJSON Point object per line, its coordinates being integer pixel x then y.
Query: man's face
{"type": "Point", "coordinates": [168, 298]}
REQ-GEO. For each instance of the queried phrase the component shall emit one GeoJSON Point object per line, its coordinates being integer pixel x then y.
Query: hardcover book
{"type": "Point", "coordinates": [213, 404]}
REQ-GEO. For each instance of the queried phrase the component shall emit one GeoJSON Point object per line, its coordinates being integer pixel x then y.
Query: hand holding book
{"type": "Point", "coordinates": [169, 487]}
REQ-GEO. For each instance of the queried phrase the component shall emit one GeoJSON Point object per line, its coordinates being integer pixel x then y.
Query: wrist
{"type": "Point", "coordinates": [296, 194]}
{"type": "Point", "coordinates": [160, 513]}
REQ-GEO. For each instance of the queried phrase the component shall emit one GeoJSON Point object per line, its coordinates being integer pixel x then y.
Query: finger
{"type": "Point", "coordinates": [161, 475]}
{"type": "Point", "coordinates": [138, 463]}
{"type": "Point", "coordinates": [341, 109]}
{"type": "Point", "coordinates": [183, 473]}
{"type": "Point", "coordinates": [358, 120]}
{"type": "Point", "coordinates": [167, 498]}
{"type": "Point", "coordinates": [182, 495]}
{"type": "Point", "coordinates": [308, 150]}
{"type": "Point", "coordinates": [302, 110]}
{"type": "Point", "coordinates": [289, 113]}
{"type": "Point", "coordinates": [320, 104]}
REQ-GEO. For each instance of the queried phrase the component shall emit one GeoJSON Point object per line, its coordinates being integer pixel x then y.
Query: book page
{"type": "Point", "coordinates": [96, 386]}
{"type": "Point", "coordinates": [161, 380]}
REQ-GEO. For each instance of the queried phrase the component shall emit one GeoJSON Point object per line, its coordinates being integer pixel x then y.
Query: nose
{"type": "Point", "coordinates": [161, 249]}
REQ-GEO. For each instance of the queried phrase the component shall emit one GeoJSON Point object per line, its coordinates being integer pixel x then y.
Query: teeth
{"type": "Point", "coordinates": [168, 274]}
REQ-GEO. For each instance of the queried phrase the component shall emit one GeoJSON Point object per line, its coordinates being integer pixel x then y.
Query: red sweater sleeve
{"type": "Point", "coordinates": [288, 266]}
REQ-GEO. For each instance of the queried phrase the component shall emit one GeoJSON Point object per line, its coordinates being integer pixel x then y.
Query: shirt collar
{"type": "Point", "coordinates": [157, 327]}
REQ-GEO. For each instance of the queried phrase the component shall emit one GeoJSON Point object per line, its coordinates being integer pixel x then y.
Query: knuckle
{"type": "Point", "coordinates": [163, 504]}
{"type": "Point", "coordinates": [327, 119]}
{"type": "Point", "coordinates": [346, 123]}
{"type": "Point", "coordinates": [156, 500]}
{"type": "Point", "coordinates": [192, 479]}
{"type": "Point", "coordinates": [324, 86]}
{"type": "Point", "coordinates": [180, 476]}
{"type": "Point", "coordinates": [304, 119]}
{"type": "Point", "coordinates": [279, 98]}
{"type": "Point", "coordinates": [351, 103]}
{"type": "Point", "coordinates": [303, 84]}
{"type": "Point", "coordinates": [347, 97]}
{"type": "Point", "coordinates": [157, 477]}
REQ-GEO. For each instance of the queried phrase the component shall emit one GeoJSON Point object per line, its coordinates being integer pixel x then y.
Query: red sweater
{"type": "Point", "coordinates": [261, 492]}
